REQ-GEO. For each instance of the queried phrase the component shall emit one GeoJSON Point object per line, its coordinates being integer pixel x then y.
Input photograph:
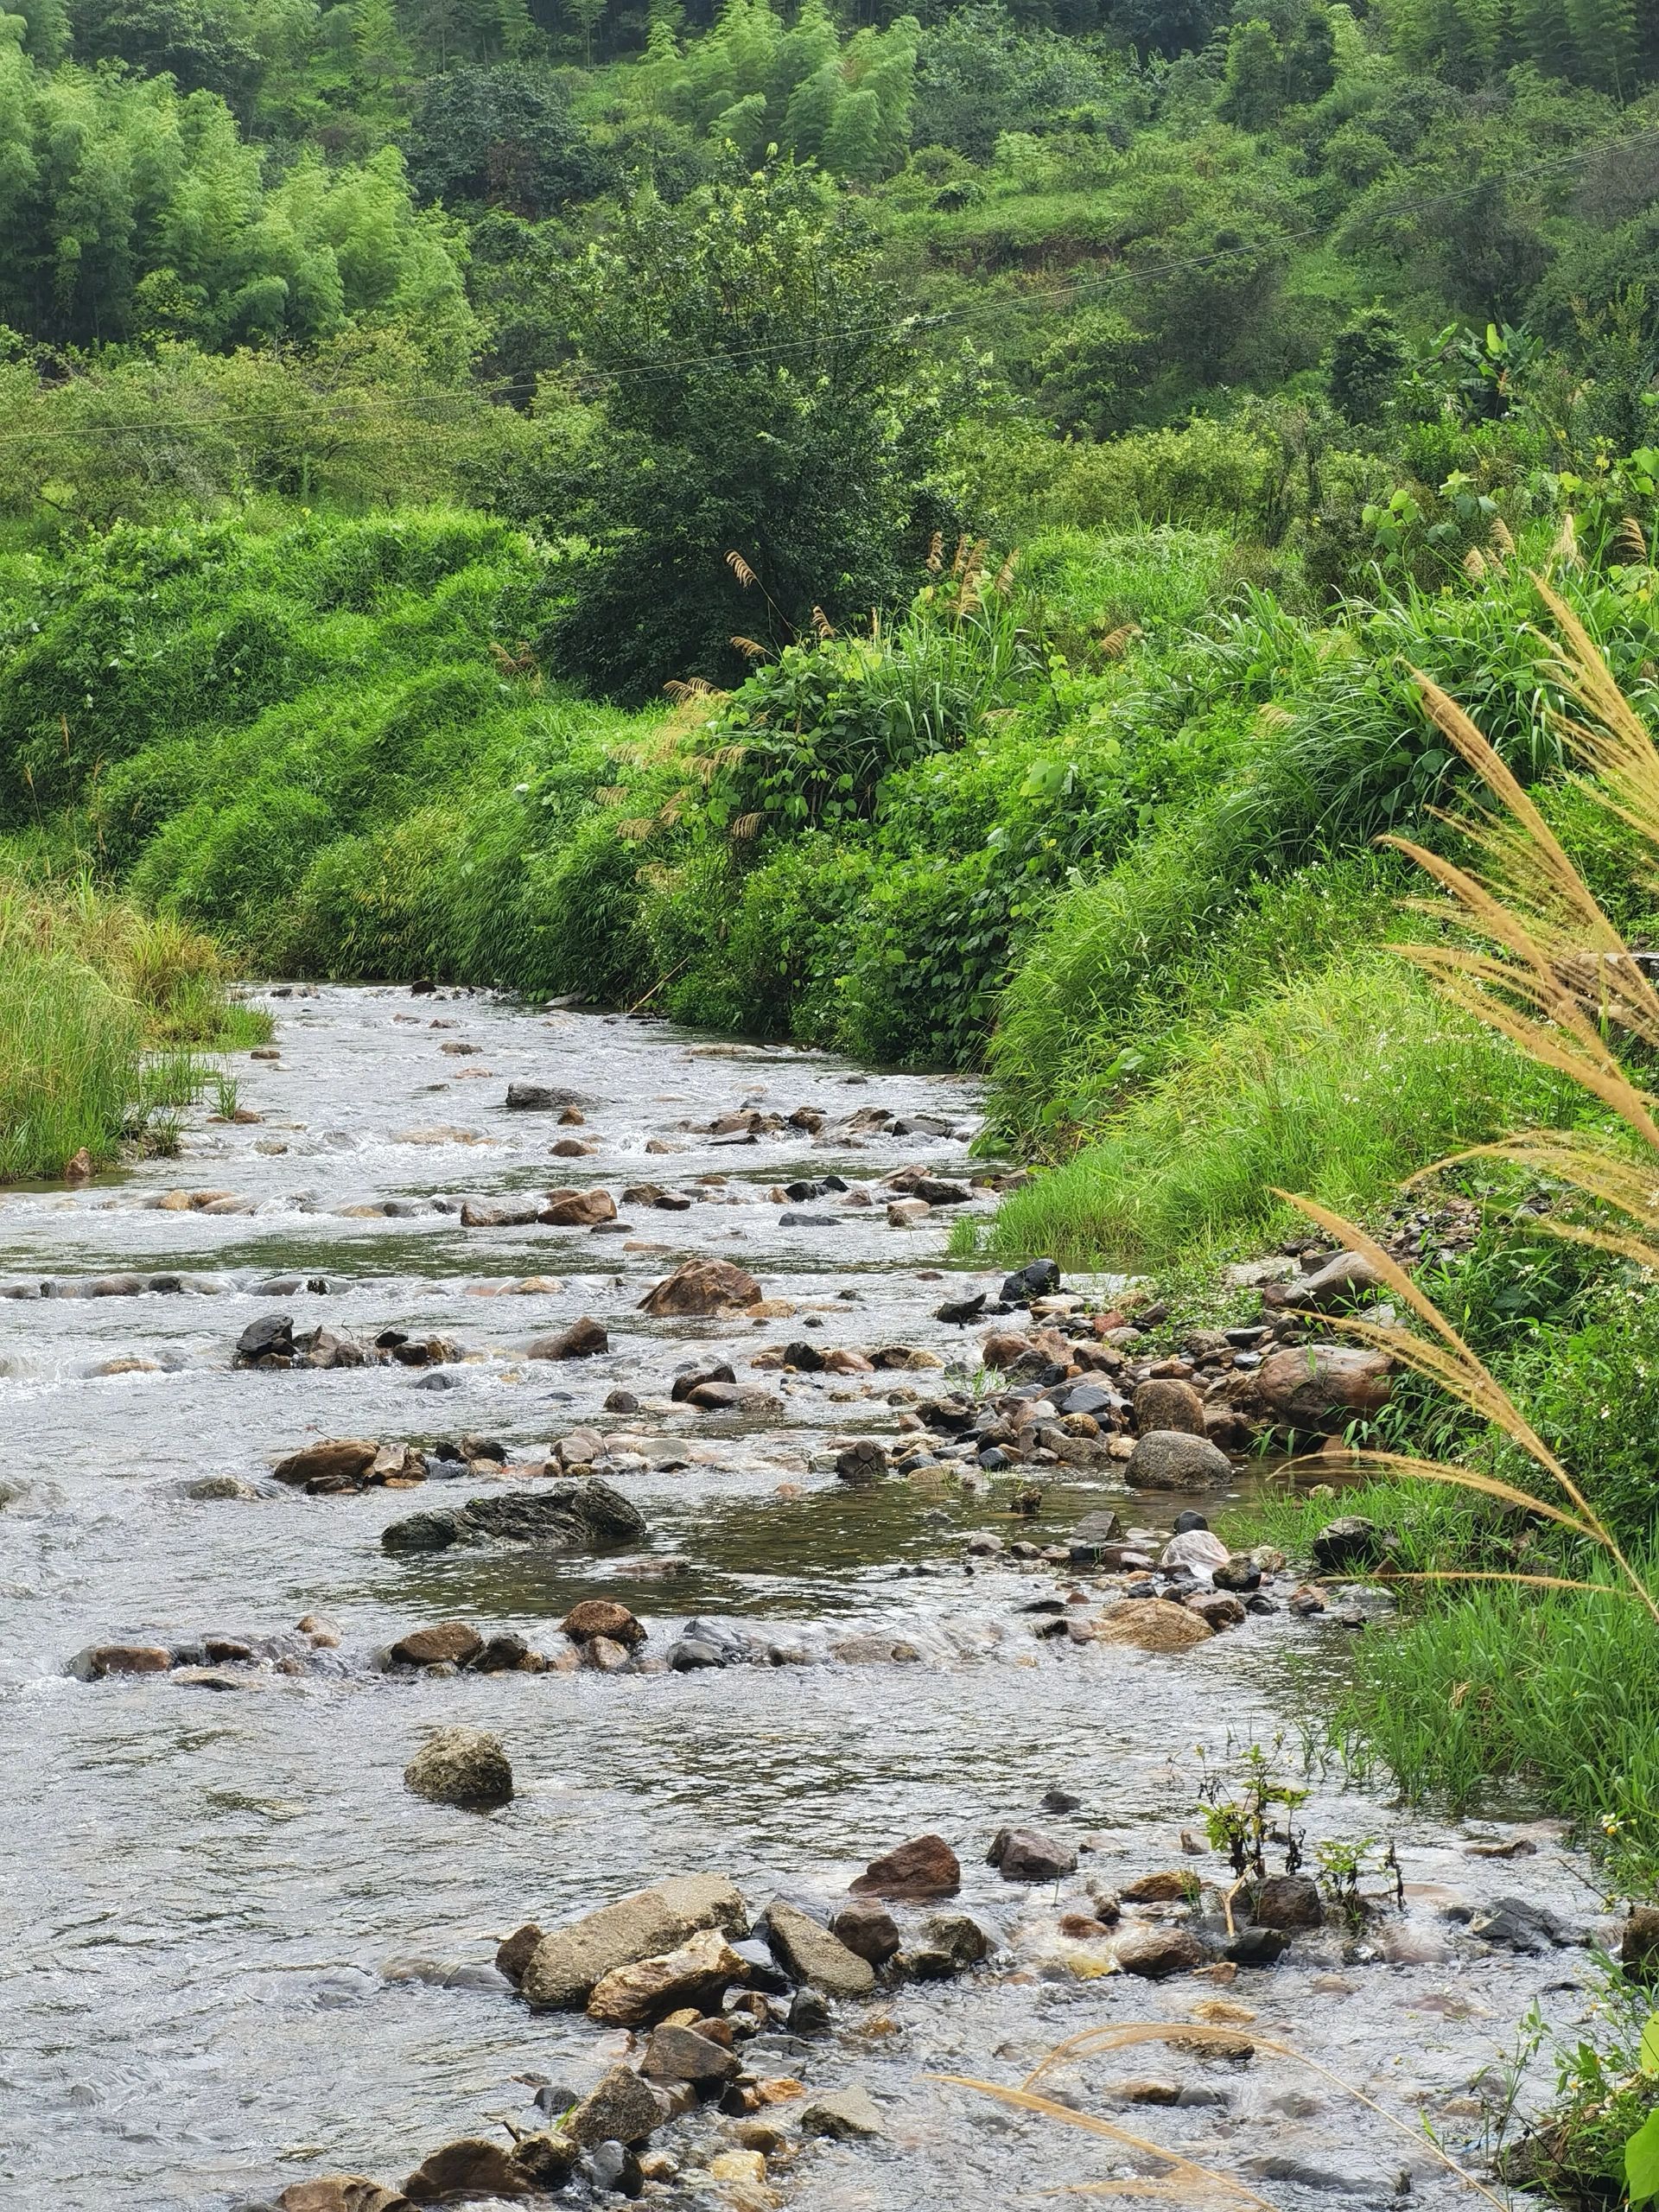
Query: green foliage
{"type": "Point", "coordinates": [758, 405]}
{"type": "Point", "coordinates": [500, 136]}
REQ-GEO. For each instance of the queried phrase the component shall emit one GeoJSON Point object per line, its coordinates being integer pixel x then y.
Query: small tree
{"type": "Point", "coordinates": [762, 400]}
{"type": "Point", "coordinates": [1367, 362]}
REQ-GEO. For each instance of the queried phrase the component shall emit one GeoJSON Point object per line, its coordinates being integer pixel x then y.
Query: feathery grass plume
{"type": "Point", "coordinates": [1499, 540]}
{"type": "Point", "coordinates": [1117, 642]}
{"type": "Point", "coordinates": [964, 547]}
{"type": "Point", "coordinates": [1185, 2178]}
{"type": "Point", "coordinates": [751, 649]}
{"type": "Point", "coordinates": [1564, 553]}
{"type": "Point", "coordinates": [1474, 564]}
{"type": "Point", "coordinates": [935, 560]}
{"type": "Point", "coordinates": [740, 568]}
{"type": "Point", "coordinates": [1002, 584]}
{"type": "Point", "coordinates": [746, 827]}
{"type": "Point", "coordinates": [824, 627]}
{"type": "Point", "coordinates": [1628, 547]}
{"type": "Point", "coordinates": [1559, 982]}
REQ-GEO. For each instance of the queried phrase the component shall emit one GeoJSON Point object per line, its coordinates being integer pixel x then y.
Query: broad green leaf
{"type": "Point", "coordinates": [1642, 2161]}
{"type": "Point", "coordinates": [1648, 2060]}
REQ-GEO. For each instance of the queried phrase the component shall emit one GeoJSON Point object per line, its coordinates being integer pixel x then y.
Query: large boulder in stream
{"type": "Point", "coordinates": [703, 1287]}
{"type": "Point", "coordinates": [566, 1966]}
{"type": "Point", "coordinates": [1173, 1458]}
{"type": "Point", "coordinates": [461, 1766]}
{"type": "Point", "coordinates": [1323, 1387]}
{"type": "Point", "coordinates": [564, 1516]}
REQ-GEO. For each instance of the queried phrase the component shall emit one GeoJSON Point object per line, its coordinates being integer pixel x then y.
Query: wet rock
{"type": "Point", "coordinates": [1288, 1901]}
{"type": "Point", "coordinates": [1025, 1855]}
{"type": "Point", "coordinates": [959, 1311]}
{"type": "Point", "coordinates": [570, 1515]}
{"type": "Point", "coordinates": [473, 2167]}
{"type": "Point", "coordinates": [603, 1617]}
{"type": "Point", "coordinates": [549, 2159]}
{"type": "Point", "coordinates": [867, 1929]}
{"type": "Point", "coordinates": [815, 1956]}
{"type": "Point", "coordinates": [1240, 1575]}
{"type": "Point", "coordinates": [761, 1970]}
{"type": "Point", "coordinates": [843, 2116]}
{"type": "Point", "coordinates": [1155, 1952]}
{"type": "Point", "coordinates": [1255, 1947]}
{"type": "Point", "coordinates": [341, 2193]}
{"type": "Point", "coordinates": [697, 1974]}
{"type": "Point", "coordinates": [1169, 1885]}
{"type": "Point", "coordinates": [604, 1657]}
{"type": "Point", "coordinates": [907, 1213]}
{"type": "Point", "coordinates": [622, 2109]}
{"type": "Point", "coordinates": [1349, 1541]}
{"type": "Point", "coordinates": [1513, 1924]}
{"type": "Point", "coordinates": [1342, 1281]}
{"type": "Point", "coordinates": [946, 1944]}
{"type": "Point", "coordinates": [99, 1660]}
{"type": "Point", "coordinates": [339, 1463]}
{"type": "Point", "coordinates": [216, 1487]}
{"type": "Point", "coordinates": [1321, 1388]}
{"type": "Point", "coordinates": [498, 1213]}
{"type": "Point", "coordinates": [572, 1209]}
{"type": "Point", "coordinates": [271, 1336]}
{"type": "Point", "coordinates": [916, 1873]}
{"type": "Point", "coordinates": [1217, 1608]}
{"type": "Point", "coordinates": [568, 1961]}
{"type": "Point", "coordinates": [1174, 1460]}
{"type": "Point", "coordinates": [703, 1286]}
{"type": "Point", "coordinates": [461, 1766]}
{"type": "Point", "coordinates": [681, 2055]}
{"type": "Point", "coordinates": [451, 1643]}
{"type": "Point", "coordinates": [692, 1378]}
{"type": "Point", "coordinates": [1152, 1624]}
{"type": "Point", "coordinates": [1037, 1279]}
{"type": "Point", "coordinates": [937, 1192]}
{"type": "Point", "coordinates": [809, 2015]}
{"type": "Point", "coordinates": [581, 1340]}
{"type": "Point", "coordinates": [862, 1461]}
{"type": "Point", "coordinates": [613, 2168]}
{"type": "Point", "coordinates": [1166, 1404]}
{"type": "Point", "coordinates": [543, 1098]}
{"type": "Point", "coordinates": [512, 1955]}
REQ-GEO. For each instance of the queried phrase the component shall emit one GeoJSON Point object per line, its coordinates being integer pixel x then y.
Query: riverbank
{"type": "Point", "coordinates": [899, 1655]}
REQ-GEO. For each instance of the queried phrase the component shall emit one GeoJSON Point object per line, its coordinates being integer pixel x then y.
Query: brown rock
{"type": "Point", "coordinates": [1152, 1624]}
{"type": "Point", "coordinates": [1288, 1901]}
{"type": "Point", "coordinates": [1322, 1387]}
{"type": "Point", "coordinates": [80, 1169]}
{"type": "Point", "coordinates": [1343, 1281]}
{"type": "Point", "coordinates": [512, 1956]}
{"type": "Point", "coordinates": [602, 1617]}
{"type": "Point", "coordinates": [1639, 1943]}
{"type": "Point", "coordinates": [341, 1459]}
{"type": "Point", "coordinates": [1177, 1460]}
{"type": "Point", "coordinates": [577, 1209]}
{"type": "Point", "coordinates": [813, 1955]}
{"type": "Point", "coordinates": [122, 1659]}
{"type": "Point", "coordinates": [473, 2167]}
{"type": "Point", "coordinates": [683, 2055]}
{"type": "Point", "coordinates": [1154, 1952]}
{"type": "Point", "coordinates": [1166, 1403]}
{"type": "Point", "coordinates": [703, 1286]}
{"type": "Point", "coordinates": [580, 1341]}
{"type": "Point", "coordinates": [451, 1642]}
{"type": "Point", "coordinates": [914, 1873]}
{"type": "Point", "coordinates": [697, 1974]}
{"type": "Point", "coordinates": [567, 1963]}
{"type": "Point", "coordinates": [341, 2193]}
{"type": "Point", "coordinates": [1173, 1887]}
{"type": "Point", "coordinates": [1217, 1608]}
{"type": "Point", "coordinates": [622, 2109]}
{"type": "Point", "coordinates": [868, 1930]}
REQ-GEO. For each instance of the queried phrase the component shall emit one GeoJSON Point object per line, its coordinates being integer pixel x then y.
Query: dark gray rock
{"type": "Point", "coordinates": [561, 1517]}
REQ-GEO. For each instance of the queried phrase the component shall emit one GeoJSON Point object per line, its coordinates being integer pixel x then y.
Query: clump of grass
{"type": "Point", "coordinates": [1341, 1084]}
{"type": "Point", "coordinates": [99, 1009]}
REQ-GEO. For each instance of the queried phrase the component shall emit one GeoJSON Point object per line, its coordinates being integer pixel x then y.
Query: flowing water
{"type": "Point", "coordinates": [238, 1952]}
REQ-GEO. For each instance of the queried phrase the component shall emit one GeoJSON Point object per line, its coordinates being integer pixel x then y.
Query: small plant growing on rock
{"type": "Point", "coordinates": [1241, 1825]}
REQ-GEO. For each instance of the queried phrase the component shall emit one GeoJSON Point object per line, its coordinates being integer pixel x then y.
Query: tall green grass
{"type": "Point", "coordinates": [101, 1011]}
{"type": "Point", "coordinates": [1350, 1078]}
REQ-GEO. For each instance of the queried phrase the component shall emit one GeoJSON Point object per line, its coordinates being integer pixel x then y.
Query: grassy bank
{"type": "Point", "coordinates": [103, 1012]}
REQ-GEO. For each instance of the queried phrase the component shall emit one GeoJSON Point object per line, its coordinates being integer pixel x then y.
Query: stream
{"type": "Point", "coordinates": [240, 1953]}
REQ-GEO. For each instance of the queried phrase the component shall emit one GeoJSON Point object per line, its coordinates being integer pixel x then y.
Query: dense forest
{"type": "Point", "coordinates": [910, 532]}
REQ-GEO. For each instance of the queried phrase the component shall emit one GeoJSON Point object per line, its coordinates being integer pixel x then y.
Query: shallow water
{"type": "Point", "coordinates": [204, 1894]}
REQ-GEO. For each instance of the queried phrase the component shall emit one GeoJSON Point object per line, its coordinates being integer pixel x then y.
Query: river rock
{"type": "Point", "coordinates": [99, 1660]}
{"type": "Point", "coordinates": [498, 1213]}
{"type": "Point", "coordinates": [1639, 1944]}
{"type": "Point", "coordinates": [681, 2055]}
{"type": "Point", "coordinates": [843, 2116]}
{"type": "Point", "coordinates": [543, 1098]}
{"type": "Point", "coordinates": [602, 1617]}
{"type": "Point", "coordinates": [271, 1336]}
{"type": "Point", "coordinates": [815, 1956]}
{"type": "Point", "coordinates": [341, 2193]}
{"type": "Point", "coordinates": [572, 1209]}
{"type": "Point", "coordinates": [339, 1463]}
{"type": "Point", "coordinates": [567, 1515]}
{"type": "Point", "coordinates": [915, 1872]}
{"type": "Point", "coordinates": [1164, 1403]}
{"type": "Point", "coordinates": [1153, 1953]}
{"type": "Point", "coordinates": [1217, 1608]}
{"type": "Point", "coordinates": [697, 1973]}
{"type": "Point", "coordinates": [1169, 1458]}
{"type": "Point", "coordinates": [568, 1961]}
{"type": "Point", "coordinates": [1287, 1901]}
{"type": "Point", "coordinates": [1322, 1387]}
{"type": "Point", "coordinates": [945, 1944]}
{"type": "Point", "coordinates": [473, 2167]}
{"type": "Point", "coordinates": [460, 1766]}
{"type": "Point", "coordinates": [862, 1461]}
{"type": "Point", "coordinates": [1152, 1624]}
{"type": "Point", "coordinates": [1350, 1542]}
{"type": "Point", "coordinates": [622, 2109]}
{"type": "Point", "coordinates": [512, 1955]}
{"type": "Point", "coordinates": [1342, 1280]}
{"type": "Point", "coordinates": [451, 1643]}
{"type": "Point", "coordinates": [869, 1929]}
{"type": "Point", "coordinates": [581, 1340]}
{"type": "Point", "coordinates": [1037, 1279]}
{"type": "Point", "coordinates": [1024, 1855]}
{"type": "Point", "coordinates": [703, 1286]}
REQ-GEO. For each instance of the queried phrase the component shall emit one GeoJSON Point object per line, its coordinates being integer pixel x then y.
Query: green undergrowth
{"type": "Point", "coordinates": [105, 1013]}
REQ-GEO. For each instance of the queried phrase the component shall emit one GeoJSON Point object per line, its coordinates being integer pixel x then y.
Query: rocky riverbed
{"type": "Point", "coordinates": [523, 1460]}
